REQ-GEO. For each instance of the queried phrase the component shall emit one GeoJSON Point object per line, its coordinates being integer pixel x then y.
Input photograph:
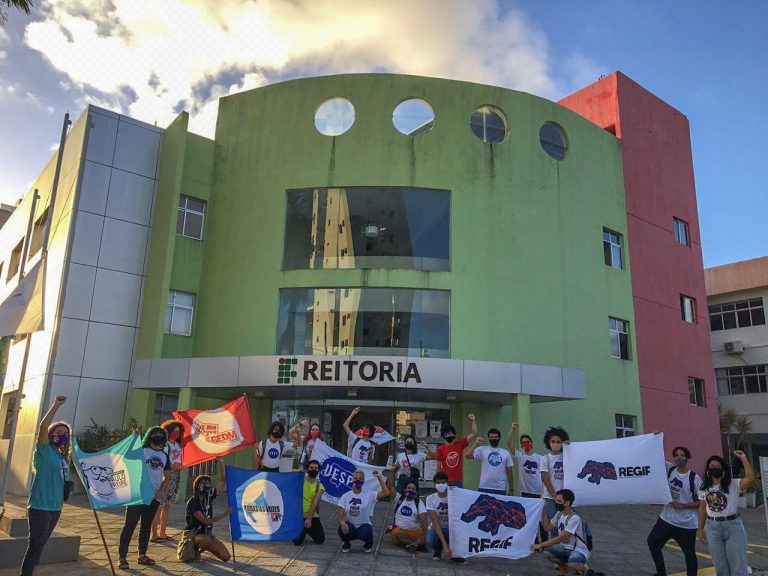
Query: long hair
{"type": "Point", "coordinates": [402, 496]}
{"type": "Point", "coordinates": [169, 425]}
{"type": "Point", "coordinates": [149, 432]}
{"type": "Point", "coordinates": [725, 481]}
{"type": "Point", "coordinates": [65, 449]}
{"type": "Point", "coordinates": [308, 435]}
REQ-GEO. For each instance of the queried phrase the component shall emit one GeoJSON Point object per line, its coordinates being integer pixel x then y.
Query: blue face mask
{"type": "Point", "coordinates": [357, 483]}
{"type": "Point", "coordinates": [410, 494]}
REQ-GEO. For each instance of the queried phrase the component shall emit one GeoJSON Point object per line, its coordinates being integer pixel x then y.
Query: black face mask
{"type": "Point", "coordinates": [277, 433]}
{"type": "Point", "coordinates": [559, 507]}
{"type": "Point", "coordinates": [313, 473]}
{"type": "Point", "coordinates": [410, 446]}
{"type": "Point", "coordinates": [449, 438]}
{"type": "Point", "coordinates": [160, 440]}
{"type": "Point", "coordinates": [715, 472]}
{"type": "Point", "coordinates": [204, 489]}
{"type": "Point", "coordinates": [493, 442]}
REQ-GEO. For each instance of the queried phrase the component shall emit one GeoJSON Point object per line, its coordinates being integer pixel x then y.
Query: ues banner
{"type": "Point", "coordinates": [209, 434]}
{"type": "Point", "coordinates": [490, 525]}
{"type": "Point", "coordinates": [336, 471]}
{"type": "Point", "coordinates": [621, 471]}
{"type": "Point", "coordinates": [267, 505]}
{"type": "Point", "coordinates": [115, 476]}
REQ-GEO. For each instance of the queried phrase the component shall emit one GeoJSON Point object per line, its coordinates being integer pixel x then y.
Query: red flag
{"type": "Point", "coordinates": [209, 434]}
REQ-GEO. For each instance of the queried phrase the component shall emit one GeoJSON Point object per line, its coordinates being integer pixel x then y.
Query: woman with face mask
{"type": "Point", "coordinates": [355, 511]}
{"type": "Point", "coordinates": [175, 431]}
{"type": "Point", "coordinates": [409, 462]}
{"type": "Point", "coordinates": [312, 492]}
{"type": "Point", "coordinates": [410, 527]}
{"type": "Point", "coordinates": [46, 498]}
{"type": "Point", "coordinates": [268, 452]}
{"type": "Point", "coordinates": [200, 514]}
{"type": "Point", "coordinates": [306, 443]}
{"type": "Point", "coordinates": [719, 520]}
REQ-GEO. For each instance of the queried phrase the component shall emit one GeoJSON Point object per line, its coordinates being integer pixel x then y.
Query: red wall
{"type": "Point", "coordinates": [659, 185]}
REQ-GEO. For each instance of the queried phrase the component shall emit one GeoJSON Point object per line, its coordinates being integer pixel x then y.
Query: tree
{"type": "Point", "coordinates": [23, 5]}
{"type": "Point", "coordinates": [732, 424]}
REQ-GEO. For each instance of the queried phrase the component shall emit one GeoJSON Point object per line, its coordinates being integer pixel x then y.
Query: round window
{"type": "Point", "coordinates": [553, 140]}
{"type": "Point", "coordinates": [334, 116]}
{"type": "Point", "coordinates": [413, 117]}
{"type": "Point", "coordinates": [488, 124]}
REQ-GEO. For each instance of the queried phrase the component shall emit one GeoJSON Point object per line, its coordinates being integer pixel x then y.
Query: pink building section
{"type": "Point", "coordinates": [659, 187]}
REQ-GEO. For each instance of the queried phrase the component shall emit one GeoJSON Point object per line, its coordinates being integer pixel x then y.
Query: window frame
{"type": "Point", "coordinates": [610, 244]}
{"type": "Point", "coordinates": [742, 378]}
{"type": "Point", "coordinates": [182, 212]}
{"type": "Point", "coordinates": [162, 412]}
{"type": "Point", "coordinates": [679, 225]}
{"type": "Point", "coordinates": [624, 427]}
{"type": "Point", "coordinates": [171, 306]}
{"type": "Point", "coordinates": [697, 392]}
{"type": "Point", "coordinates": [684, 298]}
{"type": "Point", "coordinates": [617, 332]}
{"type": "Point", "coordinates": [735, 309]}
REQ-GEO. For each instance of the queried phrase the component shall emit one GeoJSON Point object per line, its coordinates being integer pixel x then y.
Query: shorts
{"type": "Point", "coordinates": [566, 555]}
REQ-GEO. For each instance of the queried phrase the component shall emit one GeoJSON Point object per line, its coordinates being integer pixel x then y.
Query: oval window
{"type": "Point", "coordinates": [413, 117]}
{"type": "Point", "coordinates": [488, 124]}
{"type": "Point", "coordinates": [552, 139]}
{"type": "Point", "coordinates": [334, 116]}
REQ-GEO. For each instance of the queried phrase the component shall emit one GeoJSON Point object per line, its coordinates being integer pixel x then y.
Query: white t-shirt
{"type": "Point", "coordinates": [554, 465]}
{"type": "Point", "coordinates": [493, 471]}
{"type": "Point", "coordinates": [416, 460]}
{"type": "Point", "coordinates": [271, 453]}
{"type": "Point", "coordinates": [360, 450]}
{"type": "Point", "coordinates": [530, 473]}
{"type": "Point", "coordinates": [680, 487]}
{"type": "Point", "coordinates": [572, 525]}
{"type": "Point", "coordinates": [720, 503]}
{"type": "Point", "coordinates": [440, 507]}
{"type": "Point", "coordinates": [174, 452]}
{"type": "Point", "coordinates": [358, 508]}
{"type": "Point", "coordinates": [407, 514]}
{"type": "Point", "coordinates": [157, 462]}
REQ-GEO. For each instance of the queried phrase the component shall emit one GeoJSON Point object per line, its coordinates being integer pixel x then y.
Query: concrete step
{"type": "Point", "coordinates": [13, 521]}
{"type": "Point", "coordinates": [61, 547]}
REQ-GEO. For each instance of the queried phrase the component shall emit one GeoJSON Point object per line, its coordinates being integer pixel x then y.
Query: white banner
{"type": "Point", "coordinates": [490, 525]}
{"type": "Point", "coordinates": [336, 471]}
{"type": "Point", "coordinates": [621, 471]}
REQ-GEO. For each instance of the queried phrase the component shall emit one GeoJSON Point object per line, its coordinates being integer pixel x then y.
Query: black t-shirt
{"type": "Point", "coordinates": [194, 504]}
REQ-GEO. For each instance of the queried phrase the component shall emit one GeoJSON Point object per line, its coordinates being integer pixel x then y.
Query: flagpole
{"type": "Point", "coordinates": [232, 540]}
{"type": "Point", "coordinates": [103, 540]}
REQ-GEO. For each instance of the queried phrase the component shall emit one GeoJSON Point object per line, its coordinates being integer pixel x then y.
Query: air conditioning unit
{"type": "Point", "coordinates": [736, 347]}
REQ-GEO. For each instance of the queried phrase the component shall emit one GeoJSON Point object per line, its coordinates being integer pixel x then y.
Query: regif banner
{"type": "Point", "coordinates": [210, 434]}
{"type": "Point", "coordinates": [490, 525]}
{"type": "Point", "coordinates": [621, 471]}
{"type": "Point", "coordinates": [115, 476]}
{"type": "Point", "coordinates": [336, 471]}
{"type": "Point", "coordinates": [268, 505]}
{"type": "Point", "coordinates": [380, 436]}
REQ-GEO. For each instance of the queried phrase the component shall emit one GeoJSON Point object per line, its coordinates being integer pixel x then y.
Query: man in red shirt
{"type": "Point", "coordinates": [450, 455]}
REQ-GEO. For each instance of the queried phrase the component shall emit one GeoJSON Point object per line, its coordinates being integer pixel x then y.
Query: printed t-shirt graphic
{"type": "Point", "coordinates": [416, 461]}
{"type": "Point", "coordinates": [571, 524]}
{"type": "Point", "coordinates": [157, 462]}
{"type": "Point", "coordinates": [554, 465]}
{"type": "Point", "coordinates": [451, 456]}
{"type": "Point", "coordinates": [440, 507]}
{"type": "Point", "coordinates": [359, 449]}
{"type": "Point", "coordinates": [530, 474]}
{"type": "Point", "coordinates": [174, 452]}
{"type": "Point", "coordinates": [358, 507]}
{"type": "Point", "coordinates": [494, 464]}
{"type": "Point", "coordinates": [407, 515]}
{"type": "Point", "coordinates": [272, 453]}
{"type": "Point", "coordinates": [680, 488]}
{"type": "Point", "coordinates": [721, 503]}
{"type": "Point", "coordinates": [194, 505]}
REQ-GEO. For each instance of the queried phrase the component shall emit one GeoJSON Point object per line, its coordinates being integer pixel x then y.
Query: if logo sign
{"type": "Point", "coordinates": [285, 370]}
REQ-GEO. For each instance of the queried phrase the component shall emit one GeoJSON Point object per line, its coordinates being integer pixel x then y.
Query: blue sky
{"type": "Point", "coordinates": [152, 59]}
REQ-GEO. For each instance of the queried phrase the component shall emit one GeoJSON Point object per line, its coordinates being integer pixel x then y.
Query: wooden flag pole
{"type": "Point", "coordinates": [103, 540]}
{"type": "Point", "coordinates": [232, 540]}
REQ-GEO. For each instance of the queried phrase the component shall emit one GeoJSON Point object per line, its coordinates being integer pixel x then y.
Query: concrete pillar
{"type": "Point", "coordinates": [187, 400]}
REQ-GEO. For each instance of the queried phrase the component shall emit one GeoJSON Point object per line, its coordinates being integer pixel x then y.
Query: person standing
{"type": "Point", "coordinates": [308, 442]}
{"type": "Point", "coordinates": [567, 548]}
{"type": "Point", "coordinates": [175, 431]}
{"type": "Point", "coordinates": [552, 477]}
{"type": "Point", "coordinates": [528, 462]}
{"type": "Point", "coordinates": [496, 469]}
{"type": "Point", "coordinates": [409, 462]}
{"type": "Point", "coordinates": [679, 518]}
{"type": "Point", "coordinates": [450, 455]}
{"type": "Point", "coordinates": [359, 448]}
{"type": "Point", "coordinates": [719, 520]}
{"type": "Point", "coordinates": [312, 492]}
{"type": "Point", "coordinates": [267, 453]}
{"type": "Point", "coordinates": [51, 472]}
{"type": "Point", "coordinates": [200, 516]}
{"type": "Point", "coordinates": [158, 467]}
{"type": "Point", "coordinates": [356, 509]}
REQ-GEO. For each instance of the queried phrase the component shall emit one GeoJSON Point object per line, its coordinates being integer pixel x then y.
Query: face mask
{"type": "Point", "coordinates": [357, 483]}
{"type": "Point", "coordinates": [59, 439]}
{"type": "Point", "coordinates": [681, 460]}
{"type": "Point", "coordinates": [277, 433]}
{"type": "Point", "coordinates": [314, 433]}
{"type": "Point", "coordinates": [159, 440]}
{"type": "Point", "coordinates": [313, 473]}
{"type": "Point", "coordinates": [442, 488]}
{"type": "Point", "coordinates": [204, 489]}
{"type": "Point", "coordinates": [527, 445]}
{"type": "Point", "coordinates": [559, 507]}
{"type": "Point", "coordinates": [410, 446]}
{"type": "Point", "coordinates": [449, 438]}
{"type": "Point", "coordinates": [174, 435]}
{"type": "Point", "coordinates": [493, 442]}
{"type": "Point", "coordinates": [410, 494]}
{"type": "Point", "coordinates": [715, 472]}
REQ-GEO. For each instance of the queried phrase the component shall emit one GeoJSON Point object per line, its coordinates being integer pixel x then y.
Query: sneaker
{"type": "Point", "coordinates": [436, 556]}
{"type": "Point", "coordinates": [368, 549]}
{"type": "Point", "coordinates": [346, 547]}
{"type": "Point", "coordinates": [411, 548]}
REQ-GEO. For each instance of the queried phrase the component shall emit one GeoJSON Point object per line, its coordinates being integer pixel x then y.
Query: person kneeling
{"type": "Point", "coordinates": [410, 517]}
{"type": "Point", "coordinates": [312, 492]}
{"type": "Point", "coordinates": [355, 510]}
{"type": "Point", "coordinates": [201, 519]}
{"type": "Point", "coordinates": [568, 550]}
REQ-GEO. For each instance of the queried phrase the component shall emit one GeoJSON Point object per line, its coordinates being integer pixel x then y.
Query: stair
{"type": "Point", "coordinates": [62, 546]}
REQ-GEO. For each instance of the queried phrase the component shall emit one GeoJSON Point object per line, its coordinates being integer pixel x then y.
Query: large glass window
{"type": "Point", "coordinates": [364, 321]}
{"type": "Point", "coordinates": [618, 331]}
{"type": "Point", "coordinates": [742, 379]}
{"type": "Point", "coordinates": [191, 217]}
{"type": "Point", "coordinates": [405, 228]}
{"type": "Point", "coordinates": [736, 314]}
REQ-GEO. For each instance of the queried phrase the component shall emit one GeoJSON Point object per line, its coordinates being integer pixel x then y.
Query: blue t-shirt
{"type": "Point", "coordinates": [47, 492]}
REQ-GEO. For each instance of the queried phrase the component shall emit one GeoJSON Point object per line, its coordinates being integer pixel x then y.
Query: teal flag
{"type": "Point", "coordinates": [116, 476]}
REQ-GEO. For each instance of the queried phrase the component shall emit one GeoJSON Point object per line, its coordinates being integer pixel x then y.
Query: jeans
{"type": "Point", "coordinates": [363, 532]}
{"type": "Point", "coordinates": [661, 533]}
{"type": "Point", "coordinates": [566, 555]}
{"type": "Point", "coordinates": [41, 525]}
{"type": "Point", "coordinates": [315, 532]}
{"type": "Point", "coordinates": [434, 542]}
{"type": "Point", "coordinates": [728, 546]}
{"type": "Point", "coordinates": [492, 491]}
{"type": "Point", "coordinates": [549, 505]}
{"type": "Point", "coordinates": [145, 513]}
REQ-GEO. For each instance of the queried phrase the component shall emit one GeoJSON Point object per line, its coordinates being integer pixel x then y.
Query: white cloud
{"type": "Point", "coordinates": [3, 55]}
{"type": "Point", "coordinates": [5, 38]}
{"type": "Point", "coordinates": [151, 58]}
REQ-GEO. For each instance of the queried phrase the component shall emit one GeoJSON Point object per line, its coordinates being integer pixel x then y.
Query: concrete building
{"type": "Point", "coordinates": [424, 249]}
{"type": "Point", "coordinates": [736, 296]}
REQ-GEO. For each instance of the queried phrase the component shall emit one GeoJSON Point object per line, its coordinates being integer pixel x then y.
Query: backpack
{"type": "Point", "coordinates": [587, 539]}
{"type": "Point", "coordinates": [185, 549]}
{"type": "Point", "coordinates": [691, 482]}
{"type": "Point", "coordinates": [263, 448]}
{"type": "Point", "coordinates": [357, 440]}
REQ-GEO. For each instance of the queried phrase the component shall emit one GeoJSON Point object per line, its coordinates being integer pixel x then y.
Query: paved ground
{"type": "Point", "coordinates": [619, 535]}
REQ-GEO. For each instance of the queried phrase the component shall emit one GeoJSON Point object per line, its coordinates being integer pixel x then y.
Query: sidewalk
{"type": "Point", "coordinates": [619, 536]}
